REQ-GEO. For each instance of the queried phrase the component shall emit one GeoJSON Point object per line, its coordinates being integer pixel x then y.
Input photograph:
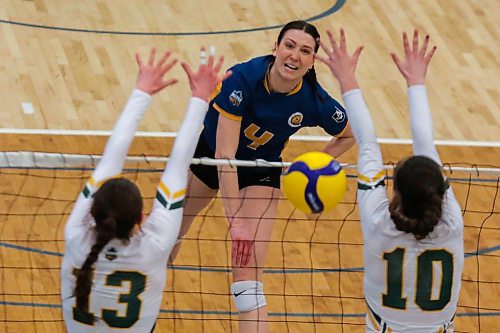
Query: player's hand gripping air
{"type": "Point", "coordinates": [414, 66]}
{"type": "Point", "coordinates": [341, 64]}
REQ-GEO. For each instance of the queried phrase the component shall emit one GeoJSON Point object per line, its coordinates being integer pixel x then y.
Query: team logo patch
{"type": "Point", "coordinates": [236, 97]}
{"type": "Point", "coordinates": [338, 115]}
{"type": "Point", "coordinates": [295, 119]}
{"type": "Point", "coordinates": [111, 254]}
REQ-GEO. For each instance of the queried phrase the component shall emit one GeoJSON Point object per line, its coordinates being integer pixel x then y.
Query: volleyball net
{"type": "Point", "coordinates": [313, 275]}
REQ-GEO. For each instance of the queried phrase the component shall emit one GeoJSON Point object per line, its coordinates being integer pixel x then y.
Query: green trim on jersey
{"type": "Point", "coordinates": [165, 203]}
{"type": "Point", "coordinates": [86, 191]}
{"type": "Point", "coordinates": [365, 187]}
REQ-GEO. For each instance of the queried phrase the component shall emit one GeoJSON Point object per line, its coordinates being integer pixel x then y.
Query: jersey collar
{"type": "Point", "coordinates": [268, 86]}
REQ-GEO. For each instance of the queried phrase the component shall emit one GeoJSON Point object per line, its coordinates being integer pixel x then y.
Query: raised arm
{"type": "Point", "coordinates": [414, 69]}
{"type": "Point", "coordinates": [343, 67]}
{"type": "Point", "coordinates": [149, 81]}
{"type": "Point", "coordinates": [174, 178]}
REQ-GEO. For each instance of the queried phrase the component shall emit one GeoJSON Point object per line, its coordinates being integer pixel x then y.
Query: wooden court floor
{"type": "Point", "coordinates": [74, 63]}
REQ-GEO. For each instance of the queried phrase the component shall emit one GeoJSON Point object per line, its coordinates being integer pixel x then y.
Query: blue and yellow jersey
{"type": "Point", "coordinates": [268, 118]}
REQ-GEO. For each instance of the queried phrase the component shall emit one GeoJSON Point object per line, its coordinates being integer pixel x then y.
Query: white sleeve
{"type": "Point", "coordinates": [121, 138]}
{"type": "Point", "coordinates": [421, 123]}
{"type": "Point", "coordinates": [112, 160]}
{"type": "Point", "coordinates": [370, 163]}
{"type": "Point", "coordinates": [371, 178]}
{"type": "Point", "coordinates": [164, 226]}
{"type": "Point", "coordinates": [78, 221]}
{"type": "Point", "coordinates": [172, 187]}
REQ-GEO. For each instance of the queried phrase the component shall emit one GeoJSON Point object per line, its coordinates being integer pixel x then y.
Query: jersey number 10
{"type": "Point", "coordinates": [425, 272]}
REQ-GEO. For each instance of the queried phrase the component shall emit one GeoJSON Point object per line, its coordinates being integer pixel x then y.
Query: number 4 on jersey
{"type": "Point", "coordinates": [251, 133]}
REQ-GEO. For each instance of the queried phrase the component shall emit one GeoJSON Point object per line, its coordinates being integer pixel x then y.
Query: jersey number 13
{"type": "Point", "coordinates": [131, 299]}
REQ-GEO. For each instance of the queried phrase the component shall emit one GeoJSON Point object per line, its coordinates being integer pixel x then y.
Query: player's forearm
{"type": "Point", "coordinates": [175, 174]}
{"type": "Point", "coordinates": [227, 142]}
{"type": "Point", "coordinates": [338, 146]}
{"type": "Point", "coordinates": [229, 189]}
{"type": "Point", "coordinates": [421, 123]}
{"type": "Point", "coordinates": [121, 138]}
{"type": "Point", "coordinates": [369, 155]}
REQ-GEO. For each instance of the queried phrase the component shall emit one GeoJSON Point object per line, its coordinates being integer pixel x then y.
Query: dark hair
{"type": "Point", "coordinates": [419, 187]}
{"type": "Point", "coordinates": [310, 29]}
{"type": "Point", "coordinates": [117, 208]}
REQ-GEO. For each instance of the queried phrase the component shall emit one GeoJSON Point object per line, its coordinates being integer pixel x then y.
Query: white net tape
{"type": "Point", "coordinates": [27, 159]}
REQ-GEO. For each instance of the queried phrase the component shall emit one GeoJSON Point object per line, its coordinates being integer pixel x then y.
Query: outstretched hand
{"type": "Point", "coordinates": [150, 78]}
{"type": "Point", "coordinates": [414, 66]}
{"type": "Point", "coordinates": [207, 78]}
{"type": "Point", "coordinates": [341, 63]}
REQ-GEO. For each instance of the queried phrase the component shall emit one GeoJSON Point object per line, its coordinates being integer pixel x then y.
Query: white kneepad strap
{"type": "Point", "coordinates": [248, 295]}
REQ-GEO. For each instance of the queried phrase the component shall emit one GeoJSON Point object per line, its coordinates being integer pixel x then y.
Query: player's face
{"type": "Point", "coordinates": [294, 54]}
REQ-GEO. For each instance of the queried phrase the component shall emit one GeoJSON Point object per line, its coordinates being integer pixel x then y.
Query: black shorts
{"type": "Point", "coordinates": [247, 176]}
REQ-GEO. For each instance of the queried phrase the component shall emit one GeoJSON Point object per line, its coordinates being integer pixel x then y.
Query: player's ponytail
{"type": "Point", "coordinates": [116, 209]}
{"type": "Point", "coordinates": [106, 230]}
{"type": "Point", "coordinates": [418, 195]}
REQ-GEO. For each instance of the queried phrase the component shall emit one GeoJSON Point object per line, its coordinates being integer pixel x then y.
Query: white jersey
{"type": "Point", "coordinates": [410, 285]}
{"type": "Point", "coordinates": [129, 278]}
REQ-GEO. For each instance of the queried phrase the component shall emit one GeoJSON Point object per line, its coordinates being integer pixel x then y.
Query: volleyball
{"type": "Point", "coordinates": [314, 183]}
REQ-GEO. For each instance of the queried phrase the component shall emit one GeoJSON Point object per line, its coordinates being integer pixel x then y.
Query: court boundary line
{"type": "Point", "coordinates": [480, 252]}
{"type": "Point", "coordinates": [306, 138]}
{"type": "Point", "coordinates": [336, 7]}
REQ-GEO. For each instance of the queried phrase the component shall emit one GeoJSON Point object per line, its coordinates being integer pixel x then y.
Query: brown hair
{"type": "Point", "coordinates": [117, 208]}
{"type": "Point", "coordinates": [419, 187]}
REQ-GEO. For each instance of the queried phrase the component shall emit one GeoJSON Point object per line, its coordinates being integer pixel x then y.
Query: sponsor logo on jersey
{"type": "Point", "coordinates": [236, 97]}
{"type": "Point", "coordinates": [111, 254]}
{"type": "Point", "coordinates": [338, 115]}
{"type": "Point", "coordinates": [295, 119]}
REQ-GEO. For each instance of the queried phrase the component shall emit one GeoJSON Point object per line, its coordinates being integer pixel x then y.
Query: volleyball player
{"type": "Point", "coordinates": [114, 266]}
{"type": "Point", "coordinates": [265, 101]}
{"type": "Point", "coordinates": [413, 242]}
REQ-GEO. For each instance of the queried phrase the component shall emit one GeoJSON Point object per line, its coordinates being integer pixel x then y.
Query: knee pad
{"type": "Point", "coordinates": [248, 295]}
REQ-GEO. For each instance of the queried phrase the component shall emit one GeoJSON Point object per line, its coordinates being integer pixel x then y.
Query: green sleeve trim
{"type": "Point", "coordinates": [86, 191]}
{"type": "Point", "coordinates": [365, 187]}
{"type": "Point", "coordinates": [168, 205]}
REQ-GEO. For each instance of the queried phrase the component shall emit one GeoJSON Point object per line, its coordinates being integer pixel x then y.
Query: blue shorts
{"type": "Point", "coordinates": [247, 176]}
